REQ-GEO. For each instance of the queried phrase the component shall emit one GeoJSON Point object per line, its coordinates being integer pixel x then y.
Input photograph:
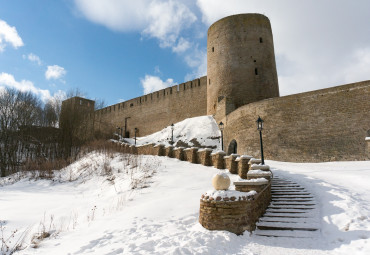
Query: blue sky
{"type": "Point", "coordinates": [118, 49]}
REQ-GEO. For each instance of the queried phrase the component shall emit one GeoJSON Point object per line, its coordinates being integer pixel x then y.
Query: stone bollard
{"type": "Point", "coordinates": [259, 167]}
{"type": "Point", "coordinates": [169, 151]}
{"type": "Point", "coordinates": [158, 150]}
{"type": "Point", "coordinates": [191, 154]}
{"type": "Point", "coordinates": [253, 161]}
{"type": "Point", "coordinates": [231, 164]}
{"type": "Point", "coordinates": [243, 165]}
{"type": "Point", "coordinates": [255, 174]}
{"type": "Point", "coordinates": [179, 153]}
{"type": "Point", "coordinates": [204, 157]}
{"type": "Point", "coordinates": [254, 184]}
{"type": "Point", "coordinates": [218, 159]}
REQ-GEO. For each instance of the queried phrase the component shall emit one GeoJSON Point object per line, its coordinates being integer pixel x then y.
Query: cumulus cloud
{"type": "Point", "coordinates": [9, 35]}
{"type": "Point", "coordinates": [33, 58]}
{"type": "Point", "coordinates": [55, 72]}
{"type": "Point", "coordinates": [316, 45]}
{"type": "Point", "coordinates": [160, 19]}
{"type": "Point", "coordinates": [153, 83]}
{"type": "Point", "coordinates": [8, 80]}
{"type": "Point", "coordinates": [197, 60]}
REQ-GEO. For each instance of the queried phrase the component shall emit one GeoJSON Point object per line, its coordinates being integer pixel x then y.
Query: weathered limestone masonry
{"type": "Point", "coordinates": [323, 125]}
{"type": "Point", "coordinates": [155, 111]}
{"type": "Point", "coordinates": [235, 216]}
{"type": "Point", "coordinates": [241, 84]}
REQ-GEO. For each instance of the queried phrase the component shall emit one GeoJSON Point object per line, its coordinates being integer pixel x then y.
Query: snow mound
{"type": "Point", "coordinates": [192, 132]}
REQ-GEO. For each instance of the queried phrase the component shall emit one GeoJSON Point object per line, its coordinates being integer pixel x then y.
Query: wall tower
{"type": "Point", "coordinates": [241, 66]}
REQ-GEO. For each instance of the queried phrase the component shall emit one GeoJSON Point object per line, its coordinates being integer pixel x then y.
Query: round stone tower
{"type": "Point", "coordinates": [241, 66]}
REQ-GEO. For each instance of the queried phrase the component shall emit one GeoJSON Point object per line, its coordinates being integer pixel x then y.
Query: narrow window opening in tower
{"type": "Point", "coordinates": [256, 71]}
{"type": "Point", "coordinates": [191, 84]}
{"type": "Point", "coordinates": [209, 81]}
{"type": "Point", "coordinates": [261, 40]}
{"type": "Point", "coordinates": [184, 86]}
{"type": "Point", "coordinates": [254, 61]}
{"type": "Point", "coordinates": [213, 49]}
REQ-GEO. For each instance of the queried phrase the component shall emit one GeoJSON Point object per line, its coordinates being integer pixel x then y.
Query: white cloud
{"type": "Point", "coordinates": [55, 72]}
{"type": "Point", "coordinates": [160, 19]}
{"type": "Point", "coordinates": [182, 45]}
{"type": "Point", "coordinates": [8, 80]}
{"type": "Point", "coordinates": [153, 83]}
{"type": "Point", "coordinates": [33, 58]}
{"type": "Point", "coordinates": [166, 20]}
{"type": "Point", "coordinates": [197, 60]}
{"type": "Point", "coordinates": [9, 35]}
{"type": "Point", "coordinates": [316, 45]}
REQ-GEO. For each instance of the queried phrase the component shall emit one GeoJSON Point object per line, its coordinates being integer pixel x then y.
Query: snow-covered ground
{"type": "Point", "coordinates": [109, 203]}
{"type": "Point", "coordinates": [93, 214]}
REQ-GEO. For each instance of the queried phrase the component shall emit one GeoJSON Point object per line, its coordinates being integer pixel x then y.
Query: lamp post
{"type": "Point", "coordinates": [172, 128]}
{"type": "Point", "coordinates": [259, 128]}
{"type": "Point", "coordinates": [118, 132]}
{"type": "Point", "coordinates": [221, 126]}
{"type": "Point", "coordinates": [135, 135]}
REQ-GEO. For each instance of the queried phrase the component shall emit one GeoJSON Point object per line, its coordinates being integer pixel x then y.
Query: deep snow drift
{"type": "Point", "coordinates": [120, 204]}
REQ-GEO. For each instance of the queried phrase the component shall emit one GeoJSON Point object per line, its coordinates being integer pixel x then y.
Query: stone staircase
{"type": "Point", "coordinates": [292, 212]}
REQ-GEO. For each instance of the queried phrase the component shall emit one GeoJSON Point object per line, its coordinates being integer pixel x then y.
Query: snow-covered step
{"type": "Point", "coordinates": [292, 204]}
{"type": "Point", "coordinates": [293, 220]}
{"type": "Point", "coordinates": [287, 226]}
{"type": "Point", "coordinates": [291, 213]}
{"type": "Point", "coordinates": [287, 233]}
{"type": "Point", "coordinates": [300, 207]}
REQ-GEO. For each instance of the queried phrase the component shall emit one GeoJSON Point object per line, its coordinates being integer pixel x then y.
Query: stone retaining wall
{"type": "Point", "coordinates": [234, 216]}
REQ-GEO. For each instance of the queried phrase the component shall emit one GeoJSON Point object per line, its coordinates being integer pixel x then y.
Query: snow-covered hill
{"type": "Point", "coordinates": [108, 203]}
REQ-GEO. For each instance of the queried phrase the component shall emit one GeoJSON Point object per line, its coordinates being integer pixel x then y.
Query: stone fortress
{"type": "Point", "coordinates": [242, 84]}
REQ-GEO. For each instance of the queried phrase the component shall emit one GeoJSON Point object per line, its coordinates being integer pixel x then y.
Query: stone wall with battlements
{"type": "Point", "coordinates": [153, 112]}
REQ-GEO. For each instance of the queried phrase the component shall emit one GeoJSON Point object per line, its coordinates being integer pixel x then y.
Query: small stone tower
{"type": "Point", "coordinates": [241, 66]}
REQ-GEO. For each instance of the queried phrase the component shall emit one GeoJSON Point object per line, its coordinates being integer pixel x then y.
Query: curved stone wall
{"type": "Point", "coordinates": [240, 61]}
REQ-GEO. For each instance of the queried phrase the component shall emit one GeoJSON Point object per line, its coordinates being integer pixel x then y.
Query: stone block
{"type": "Point", "coordinates": [243, 165]}
{"type": "Point", "coordinates": [179, 153]}
{"type": "Point", "coordinates": [190, 154]}
{"type": "Point", "coordinates": [249, 185]}
{"type": "Point", "coordinates": [158, 150]}
{"type": "Point", "coordinates": [259, 167]}
{"type": "Point", "coordinates": [218, 159]}
{"type": "Point", "coordinates": [231, 164]}
{"type": "Point", "coordinates": [169, 151]}
{"type": "Point", "coordinates": [204, 157]}
{"type": "Point", "coordinates": [254, 174]}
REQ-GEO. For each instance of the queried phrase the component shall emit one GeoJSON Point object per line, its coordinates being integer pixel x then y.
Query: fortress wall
{"type": "Point", "coordinates": [323, 125]}
{"type": "Point", "coordinates": [155, 111]}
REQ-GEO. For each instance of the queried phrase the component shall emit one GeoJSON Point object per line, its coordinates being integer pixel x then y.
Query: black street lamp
{"type": "Point", "coordinates": [119, 132]}
{"type": "Point", "coordinates": [221, 126]}
{"type": "Point", "coordinates": [259, 128]}
{"type": "Point", "coordinates": [172, 128]}
{"type": "Point", "coordinates": [135, 135]}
